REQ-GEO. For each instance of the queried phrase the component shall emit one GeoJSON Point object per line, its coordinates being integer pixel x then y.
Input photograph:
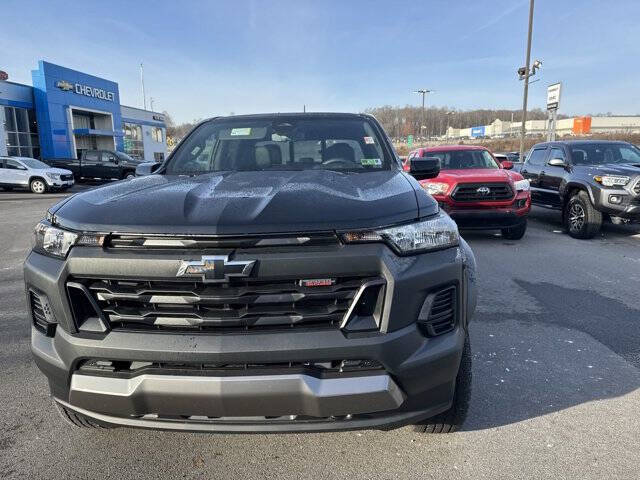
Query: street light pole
{"type": "Point", "coordinates": [526, 81]}
{"type": "Point", "coordinates": [423, 91]}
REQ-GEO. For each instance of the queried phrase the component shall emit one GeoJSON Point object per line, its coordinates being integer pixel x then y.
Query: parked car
{"type": "Point", "coordinates": [279, 272]}
{"type": "Point", "coordinates": [510, 156]}
{"type": "Point", "coordinates": [588, 180]}
{"type": "Point", "coordinates": [104, 164]}
{"type": "Point", "coordinates": [25, 172]}
{"type": "Point", "coordinates": [478, 191]}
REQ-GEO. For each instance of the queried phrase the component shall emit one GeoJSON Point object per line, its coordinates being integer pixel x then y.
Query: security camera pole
{"type": "Point", "coordinates": [526, 82]}
{"type": "Point", "coordinates": [423, 91]}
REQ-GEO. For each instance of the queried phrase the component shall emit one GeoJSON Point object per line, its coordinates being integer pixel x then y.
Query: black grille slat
{"type": "Point", "coordinates": [241, 304]}
{"type": "Point", "coordinates": [39, 316]}
{"type": "Point", "coordinates": [468, 192]}
{"type": "Point", "coordinates": [442, 315]}
{"type": "Point", "coordinates": [66, 177]}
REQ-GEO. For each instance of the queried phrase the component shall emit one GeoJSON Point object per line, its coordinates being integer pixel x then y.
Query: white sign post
{"type": "Point", "coordinates": [553, 103]}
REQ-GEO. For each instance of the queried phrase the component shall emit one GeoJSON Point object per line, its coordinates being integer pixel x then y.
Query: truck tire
{"type": "Point", "coordinates": [128, 175]}
{"type": "Point", "coordinates": [77, 420]}
{"type": "Point", "coordinates": [515, 233]}
{"type": "Point", "coordinates": [581, 219]}
{"type": "Point", "coordinates": [38, 185]}
{"type": "Point", "coordinates": [452, 419]}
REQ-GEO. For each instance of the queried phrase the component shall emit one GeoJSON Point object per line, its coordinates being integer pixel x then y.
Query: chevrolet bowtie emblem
{"type": "Point", "coordinates": [215, 268]}
{"type": "Point", "coordinates": [64, 85]}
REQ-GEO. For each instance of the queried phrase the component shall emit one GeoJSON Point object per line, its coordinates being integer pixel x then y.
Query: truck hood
{"type": "Point", "coordinates": [473, 175]}
{"type": "Point", "coordinates": [628, 169]}
{"type": "Point", "coordinates": [234, 203]}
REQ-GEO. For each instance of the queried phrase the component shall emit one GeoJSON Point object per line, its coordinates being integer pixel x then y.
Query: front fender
{"type": "Point", "coordinates": [567, 187]}
{"type": "Point", "coordinates": [470, 277]}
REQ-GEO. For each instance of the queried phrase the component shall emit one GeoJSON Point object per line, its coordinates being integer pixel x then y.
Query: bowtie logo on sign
{"type": "Point", "coordinates": [64, 85]}
{"type": "Point", "coordinates": [86, 90]}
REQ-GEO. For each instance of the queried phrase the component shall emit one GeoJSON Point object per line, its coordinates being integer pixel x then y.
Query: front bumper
{"type": "Point", "coordinates": [416, 382]}
{"type": "Point", "coordinates": [628, 205]}
{"type": "Point", "coordinates": [60, 183]}
{"type": "Point", "coordinates": [488, 215]}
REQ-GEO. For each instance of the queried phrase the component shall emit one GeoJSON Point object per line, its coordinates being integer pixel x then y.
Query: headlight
{"type": "Point", "coordinates": [53, 176]}
{"type": "Point", "coordinates": [435, 233]}
{"type": "Point", "coordinates": [56, 242]}
{"type": "Point", "coordinates": [522, 185]}
{"type": "Point", "coordinates": [435, 188]}
{"type": "Point", "coordinates": [612, 180]}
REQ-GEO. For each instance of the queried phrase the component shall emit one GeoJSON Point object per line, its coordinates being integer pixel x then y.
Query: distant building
{"type": "Point", "coordinates": [564, 127]}
{"type": "Point", "coordinates": [66, 111]}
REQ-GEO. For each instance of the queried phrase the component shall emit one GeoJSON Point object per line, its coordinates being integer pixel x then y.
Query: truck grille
{"type": "Point", "coordinates": [66, 178]}
{"type": "Point", "coordinates": [468, 192]}
{"type": "Point", "coordinates": [240, 305]}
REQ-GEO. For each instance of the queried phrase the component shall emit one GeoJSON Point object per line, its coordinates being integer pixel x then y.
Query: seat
{"type": "Point", "coordinates": [247, 160]}
{"type": "Point", "coordinates": [342, 151]}
{"type": "Point", "coordinates": [577, 156]}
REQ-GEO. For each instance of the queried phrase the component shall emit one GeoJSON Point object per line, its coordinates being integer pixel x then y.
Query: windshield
{"type": "Point", "coordinates": [33, 163]}
{"type": "Point", "coordinates": [281, 143]}
{"type": "Point", "coordinates": [464, 159]}
{"type": "Point", "coordinates": [602, 153]}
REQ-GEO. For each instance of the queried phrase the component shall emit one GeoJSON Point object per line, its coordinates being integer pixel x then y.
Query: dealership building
{"type": "Point", "coordinates": [66, 112]}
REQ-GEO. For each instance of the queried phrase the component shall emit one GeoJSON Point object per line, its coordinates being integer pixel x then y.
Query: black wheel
{"type": "Point", "coordinates": [77, 420]}
{"type": "Point", "coordinates": [515, 233]}
{"type": "Point", "coordinates": [128, 175]}
{"type": "Point", "coordinates": [452, 419]}
{"type": "Point", "coordinates": [580, 218]}
{"type": "Point", "coordinates": [37, 185]}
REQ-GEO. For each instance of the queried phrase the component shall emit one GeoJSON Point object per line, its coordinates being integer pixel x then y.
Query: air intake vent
{"type": "Point", "coordinates": [442, 307]}
{"type": "Point", "coordinates": [41, 313]}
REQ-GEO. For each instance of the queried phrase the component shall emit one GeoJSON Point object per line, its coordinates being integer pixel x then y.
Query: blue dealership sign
{"type": "Point", "coordinates": [477, 132]}
{"type": "Point", "coordinates": [57, 92]}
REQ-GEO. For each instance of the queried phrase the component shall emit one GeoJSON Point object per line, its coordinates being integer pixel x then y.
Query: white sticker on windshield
{"type": "Point", "coordinates": [371, 162]}
{"type": "Point", "coordinates": [369, 140]}
{"type": "Point", "coordinates": [195, 151]}
{"type": "Point", "coordinates": [240, 132]}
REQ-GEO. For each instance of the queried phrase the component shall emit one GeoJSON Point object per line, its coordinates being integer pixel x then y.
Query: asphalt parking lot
{"type": "Point", "coordinates": [556, 377]}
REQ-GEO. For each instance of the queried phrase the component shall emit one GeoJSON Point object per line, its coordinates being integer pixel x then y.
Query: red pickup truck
{"type": "Point", "coordinates": [477, 191]}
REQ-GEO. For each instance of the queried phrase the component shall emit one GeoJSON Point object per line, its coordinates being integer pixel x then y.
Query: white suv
{"type": "Point", "coordinates": [33, 174]}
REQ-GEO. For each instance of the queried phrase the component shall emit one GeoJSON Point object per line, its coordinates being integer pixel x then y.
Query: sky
{"type": "Point", "coordinates": [213, 58]}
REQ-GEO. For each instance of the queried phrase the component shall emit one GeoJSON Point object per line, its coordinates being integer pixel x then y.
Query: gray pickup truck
{"type": "Point", "coordinates": [588, 180]}
{"type": "Point", "coordinates": [105, 164]}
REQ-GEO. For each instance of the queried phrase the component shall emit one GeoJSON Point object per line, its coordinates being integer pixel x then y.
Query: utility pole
{"type": "Point", "coordinates": [151, 103]}
{"type": "Point", "coordinates": [526, 81]}
{"type": "Point", "coordinates": [423, 91]}
{"type": "Point", "coordinates": [144, 98]}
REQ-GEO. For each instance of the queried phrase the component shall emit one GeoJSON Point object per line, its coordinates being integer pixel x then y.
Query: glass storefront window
{"type": "Point", "coordinates": [133, 144]}
{"type": "Point", "coordinates": [156, 133]}
{"type": "Point", "coordinates": [21, 132]}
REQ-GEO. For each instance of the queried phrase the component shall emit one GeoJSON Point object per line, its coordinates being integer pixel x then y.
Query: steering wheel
{"type": "Point", "coordinates": [342, 161]}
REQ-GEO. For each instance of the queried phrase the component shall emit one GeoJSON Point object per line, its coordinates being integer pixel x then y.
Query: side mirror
{"type": "Point", "coordinates": [147, 168]}
{"type": "Point", "coordinates": [507, 164]}
{"type": "Point", "coordinates": [557, 162]}
{"type": "Point", "coordinates": [424, 167]}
